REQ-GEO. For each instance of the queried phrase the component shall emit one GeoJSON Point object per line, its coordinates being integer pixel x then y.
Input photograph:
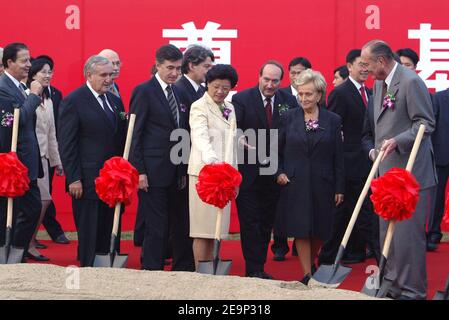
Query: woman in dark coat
{"type": "Point", "coordinates": [311, 170]}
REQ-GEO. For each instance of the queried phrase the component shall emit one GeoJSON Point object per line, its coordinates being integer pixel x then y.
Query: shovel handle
{"type": "Point", "coordinates": [218, 224]}
{"type": "Point", "coordinates": [15, 134]}
{"type": "Point", "coordinates": [361, 199]}
{"type": "Point", "coordinates": [129, 135]}
{"type": "Point", "coordinates": [118, 206]}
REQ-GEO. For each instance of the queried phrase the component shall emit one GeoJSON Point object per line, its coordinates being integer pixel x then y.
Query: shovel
{"type": "Point", "coordinates": [375, 284]}
{"type": "Point", "coordinates": [8, 253]}
{"type": "Point", "coordinates": [333, 275]}
{"type": "Point", "coordinates": [113, 259]}
{"type": "Point", "coordinates": [216, 266]}
{"type": "Point", "coordinates": [443, 295]}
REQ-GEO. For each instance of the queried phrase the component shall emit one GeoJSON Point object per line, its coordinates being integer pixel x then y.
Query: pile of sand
{"type": "Point", "coordinates": [38, 281]}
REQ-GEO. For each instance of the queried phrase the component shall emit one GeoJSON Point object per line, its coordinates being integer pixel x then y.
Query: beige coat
{"type": "Point", "coordinates": [46, 133]}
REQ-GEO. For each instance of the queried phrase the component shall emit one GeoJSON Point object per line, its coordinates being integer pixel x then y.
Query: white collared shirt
{"type": "Point", "coordinates": [265, 101]}
{"type": "Point", "coordinates": [194, 84]}
{"type": "Point", "coordinates": [294, 92]}
{"type": "Point", "coordinates": [389, 78]}
{"type": "Point", "coordinates": [97, 96]}
{"type": "Point", "coordinates": [358, 86]}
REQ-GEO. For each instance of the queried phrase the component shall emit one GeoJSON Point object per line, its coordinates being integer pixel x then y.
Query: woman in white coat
{"type": "Point", "coordinates": [211, 119]}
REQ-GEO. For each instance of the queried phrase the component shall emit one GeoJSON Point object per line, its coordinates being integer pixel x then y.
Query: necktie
{"type": "Point", "coordinates": [109, 113]}
{"type": "Point", "coordinates": [172, 103]}
{"type": "Point", "coordinates": [363, 93]}
{"type": "Point", "coordinates": [22, 89]}
{"type": "Point", "coordinates": [268, 111]}
{"type": "Point", "coordinates": [200, 91]}
{"type": "Point", "coordinates": [384, 89]}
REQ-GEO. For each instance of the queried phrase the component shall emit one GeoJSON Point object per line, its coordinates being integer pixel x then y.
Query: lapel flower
{"type": "Point", "coordinates": [225, 111]}
{"type": "Point", "coordinates": [182, 107]}
{"type": "Point", "coordinates": [123, 115]}
{"type": "Point", "coordinates": [389, 100]}
{"type": "Point", "coordinates": [282, 108]}
{"type": "Point", "coordinates": [313, 125]}
{"type": "Point", "coordinates": [7, 119]}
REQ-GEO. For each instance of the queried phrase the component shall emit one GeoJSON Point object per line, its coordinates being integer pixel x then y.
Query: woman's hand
{"type": "Point", "coordinates": [282, 179]}
{"type": "Point", "coordinates": [339, 198]}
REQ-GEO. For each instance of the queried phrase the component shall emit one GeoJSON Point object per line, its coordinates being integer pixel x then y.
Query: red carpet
{"type": "Point", "coordinates": [437, 263]}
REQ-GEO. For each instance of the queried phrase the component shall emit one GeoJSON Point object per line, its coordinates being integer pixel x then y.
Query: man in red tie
{"type": "Point", "coordinates": [350, 101]}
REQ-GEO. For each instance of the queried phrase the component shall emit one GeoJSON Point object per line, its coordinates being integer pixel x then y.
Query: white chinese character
{"type": "Point", "coordinates": [207, 36]}
{"type": "Point", "coordinates": [434, 55]}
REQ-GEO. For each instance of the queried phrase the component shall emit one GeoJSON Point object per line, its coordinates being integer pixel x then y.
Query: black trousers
{"type": "Point", "coordinates": [26, 214]}
{"type": "Point", "coordinates": [365, 232]}
{"type": "Point", "coordinates": [93, 219]}
{"type": "Point", "coordinates": [166, 211]}
{"type": "Point", "coordinates": [50, 223]}
{"type": "Point", "coordinates": [256, 211]}
{"type": "Point", "coordinates": [436, 216]}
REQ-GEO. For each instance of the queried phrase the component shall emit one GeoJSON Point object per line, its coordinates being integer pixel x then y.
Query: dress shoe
{"type": "Point", "coordinates": [260, 274]}
{"type": "Point", "coordinates": [62, 239]}
{"type": "Point", "coordinates": [278, 256]}
{"type": "Point", "coordinates": [431, 246]}
{"type": "Point", "coordinates": [305, 280]}
{"type": "Point", "coordinates": [37, 258]}
{"type": "Point", "coordinates": [39, 245]}
{"type": "Point", "coordinates": [294, 251]}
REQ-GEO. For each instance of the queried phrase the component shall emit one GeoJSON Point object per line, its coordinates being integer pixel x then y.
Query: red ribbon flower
{"type": "Point", "coordinates": [217, 184]}
{"type": "Point", "coordinates": [14, 181]}
{"type": "Point", "coordinates": [446, 207]}
{"type": "Point", "coordinates": [117, 181]}
{"type": "Point", "coordinates": [395, 194]}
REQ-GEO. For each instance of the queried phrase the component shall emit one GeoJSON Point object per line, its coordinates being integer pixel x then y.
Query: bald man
{"type": "Point", "coordinates": [113, 56]}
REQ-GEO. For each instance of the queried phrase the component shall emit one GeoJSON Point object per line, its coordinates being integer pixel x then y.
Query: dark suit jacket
{"type": "Point", "coordinates": [440, 137]}
{"type": "Point", "coordinates": [27, 145]}
{"type": "Point", "coordinates": [151, 145]}
{"type": "Point", "coordinates": [186, 92]}
{"type": "Point", "coordinates": [87, 138]}
{"type": "Point", "coordinates": [346, 101]}
{"type": "Point", "coordinates": [6, 108]}
{"type": "Point", "coordinates": [250, 114]}
{"type": "Point", "coordinates": [287, 90]}
{"type": "Point", "coordinates": [56, 98]}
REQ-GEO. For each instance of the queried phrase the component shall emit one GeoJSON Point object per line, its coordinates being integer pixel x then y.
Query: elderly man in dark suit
{"type": "Point", "coordinates": [349, 101]}
{"type": "Point", "coordinates": [90, 132]}
{"type": "Point", "coordinates": [16, 59]}
{"type": "Point", "coordinates": [258, 110]}
{"type": "Point", "coordinates": [394, 131]}
{"type": "Point", "coordinates": [163, 196]}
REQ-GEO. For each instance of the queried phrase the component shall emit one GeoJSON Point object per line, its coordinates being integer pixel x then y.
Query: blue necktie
{"type": "Point", "coordinates": [107, 110]}
{"type": "Point", "coordinates": [172, 103]}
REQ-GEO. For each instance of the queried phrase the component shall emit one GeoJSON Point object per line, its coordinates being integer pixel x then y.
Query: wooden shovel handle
{"type": "Point", "coordinates": [361, 199]}
{"type": "Point", "coordinates": [15, 134]}
{"type": "Point", "coordinates": [218, 224]}
{"type": "Point", "coordinates": [409, 167]}
{"type": "Point", "coordinates": [129, 136]}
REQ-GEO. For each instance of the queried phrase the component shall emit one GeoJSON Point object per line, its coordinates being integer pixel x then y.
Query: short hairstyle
{"type": "Point", "coordinates": [168, 52]}
{"type": "Point", "coordinates": [315, 77]}
{"type": "Point", "coordinates": [379, 48]}
{"type": "Point", "coordinates": [300, 60]}
{"type": "Point", "coordinates": [10, 52]}
{"type": "Point", "coordinates": [274, 63]}
{"type": "Point", "coordinates": [36, 66]}
{"type": "Point", "coordinates": [353, 55]}
{"type": "Point", "coordinates": [195, 54]}
{"type": "Point", "coordinates": [222, 72]}
{"type": "Point", "coordinates": [409, 53]}
{"type": "Point", "coordinates": [49, 60]}
{"type": "Point", "coordinates": [343, 70]}
{"type": "Point", "coordinates": [93, 62]}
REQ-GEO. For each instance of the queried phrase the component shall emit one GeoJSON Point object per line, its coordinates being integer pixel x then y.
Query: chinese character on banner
{"type": "Point", "coordinates": [434, 55]}
{"type": "Point", "coordinates": [210, 36]}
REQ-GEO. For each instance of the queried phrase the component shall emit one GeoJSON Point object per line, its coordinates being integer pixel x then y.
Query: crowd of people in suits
{"type": "Point", "coordinates": [302, 171]}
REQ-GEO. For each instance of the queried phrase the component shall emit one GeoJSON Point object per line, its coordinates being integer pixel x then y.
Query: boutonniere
{"type": "Point", "coordinates": [225, 111]}
{"type": "Point", "coordinates": [282, 108]}
{"type": "Point", "coordinates": [123, 115]}
{"type": "Point", "coordinates": [313, 125]}
{"type": "Point", "coordinates": [183, 107]}
{"type": "Point", "coordinates": [389, 100]}
{"type": "Point", "coordinates": [7, 119]}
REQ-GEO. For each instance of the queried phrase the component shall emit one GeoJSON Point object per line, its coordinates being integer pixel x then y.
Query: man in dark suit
{"type": "Point", "coordinates": [295, 67]}
{"type": "Point", "coordinates": [394, 131]}
{"type": "Point", "coordinates": [258, 110]}
{"type": "Point", "coordinates": [163, 196]}
{"type": "Point", "coordinates": [113, 56]}
{"type": "Point", "coordinates": [440, 139]}
{"type": "Point", "coordinates": [50, 223]}
{"type": "Point", "coordinates": [16, 59]}
{"type": "Point", "coordinates": [90, 132]}
{"type": "Point", "coordinates": [349, 101]}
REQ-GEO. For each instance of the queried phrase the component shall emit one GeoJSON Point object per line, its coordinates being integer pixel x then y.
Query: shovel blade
{"type": "Point", "coordinates": [103, 261]}
{"type": "Point", "coordinates": [120, 261]}
{"type": "Point", "coordinates": [205, 267]}
{"type": "Point", "coordinates": [223, 267]}
{"type": "Point", "coordinates": [11, 256]}
{"type": "Point", "coordinates": [371, 286]}
{"type": "Point", "coordinates": [330, 276]}
{"type": "Point", "coordinates": [3, 255]}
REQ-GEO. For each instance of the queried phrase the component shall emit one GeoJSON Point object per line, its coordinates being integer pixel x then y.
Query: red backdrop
{"type": "Point", "coordinates": [322, 30]}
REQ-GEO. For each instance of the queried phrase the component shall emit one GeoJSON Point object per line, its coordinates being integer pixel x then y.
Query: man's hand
{"type": "Point", "coordinates": [143, 182]}
{"type": "Point", "coordinates": [388, 146]}
{"type": "Point", "coordinates": [36, 88]}
{"type": "Point", "coordinates": [282, 179]}
{"type": "Point", "coordinates": [339, 198]}
{"type": "Point", "coordinates": [373, 154]}
{"type": "Point", "coordinates": [76, 189]}
{"type": "Point", "coordinates": [59, 171]}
